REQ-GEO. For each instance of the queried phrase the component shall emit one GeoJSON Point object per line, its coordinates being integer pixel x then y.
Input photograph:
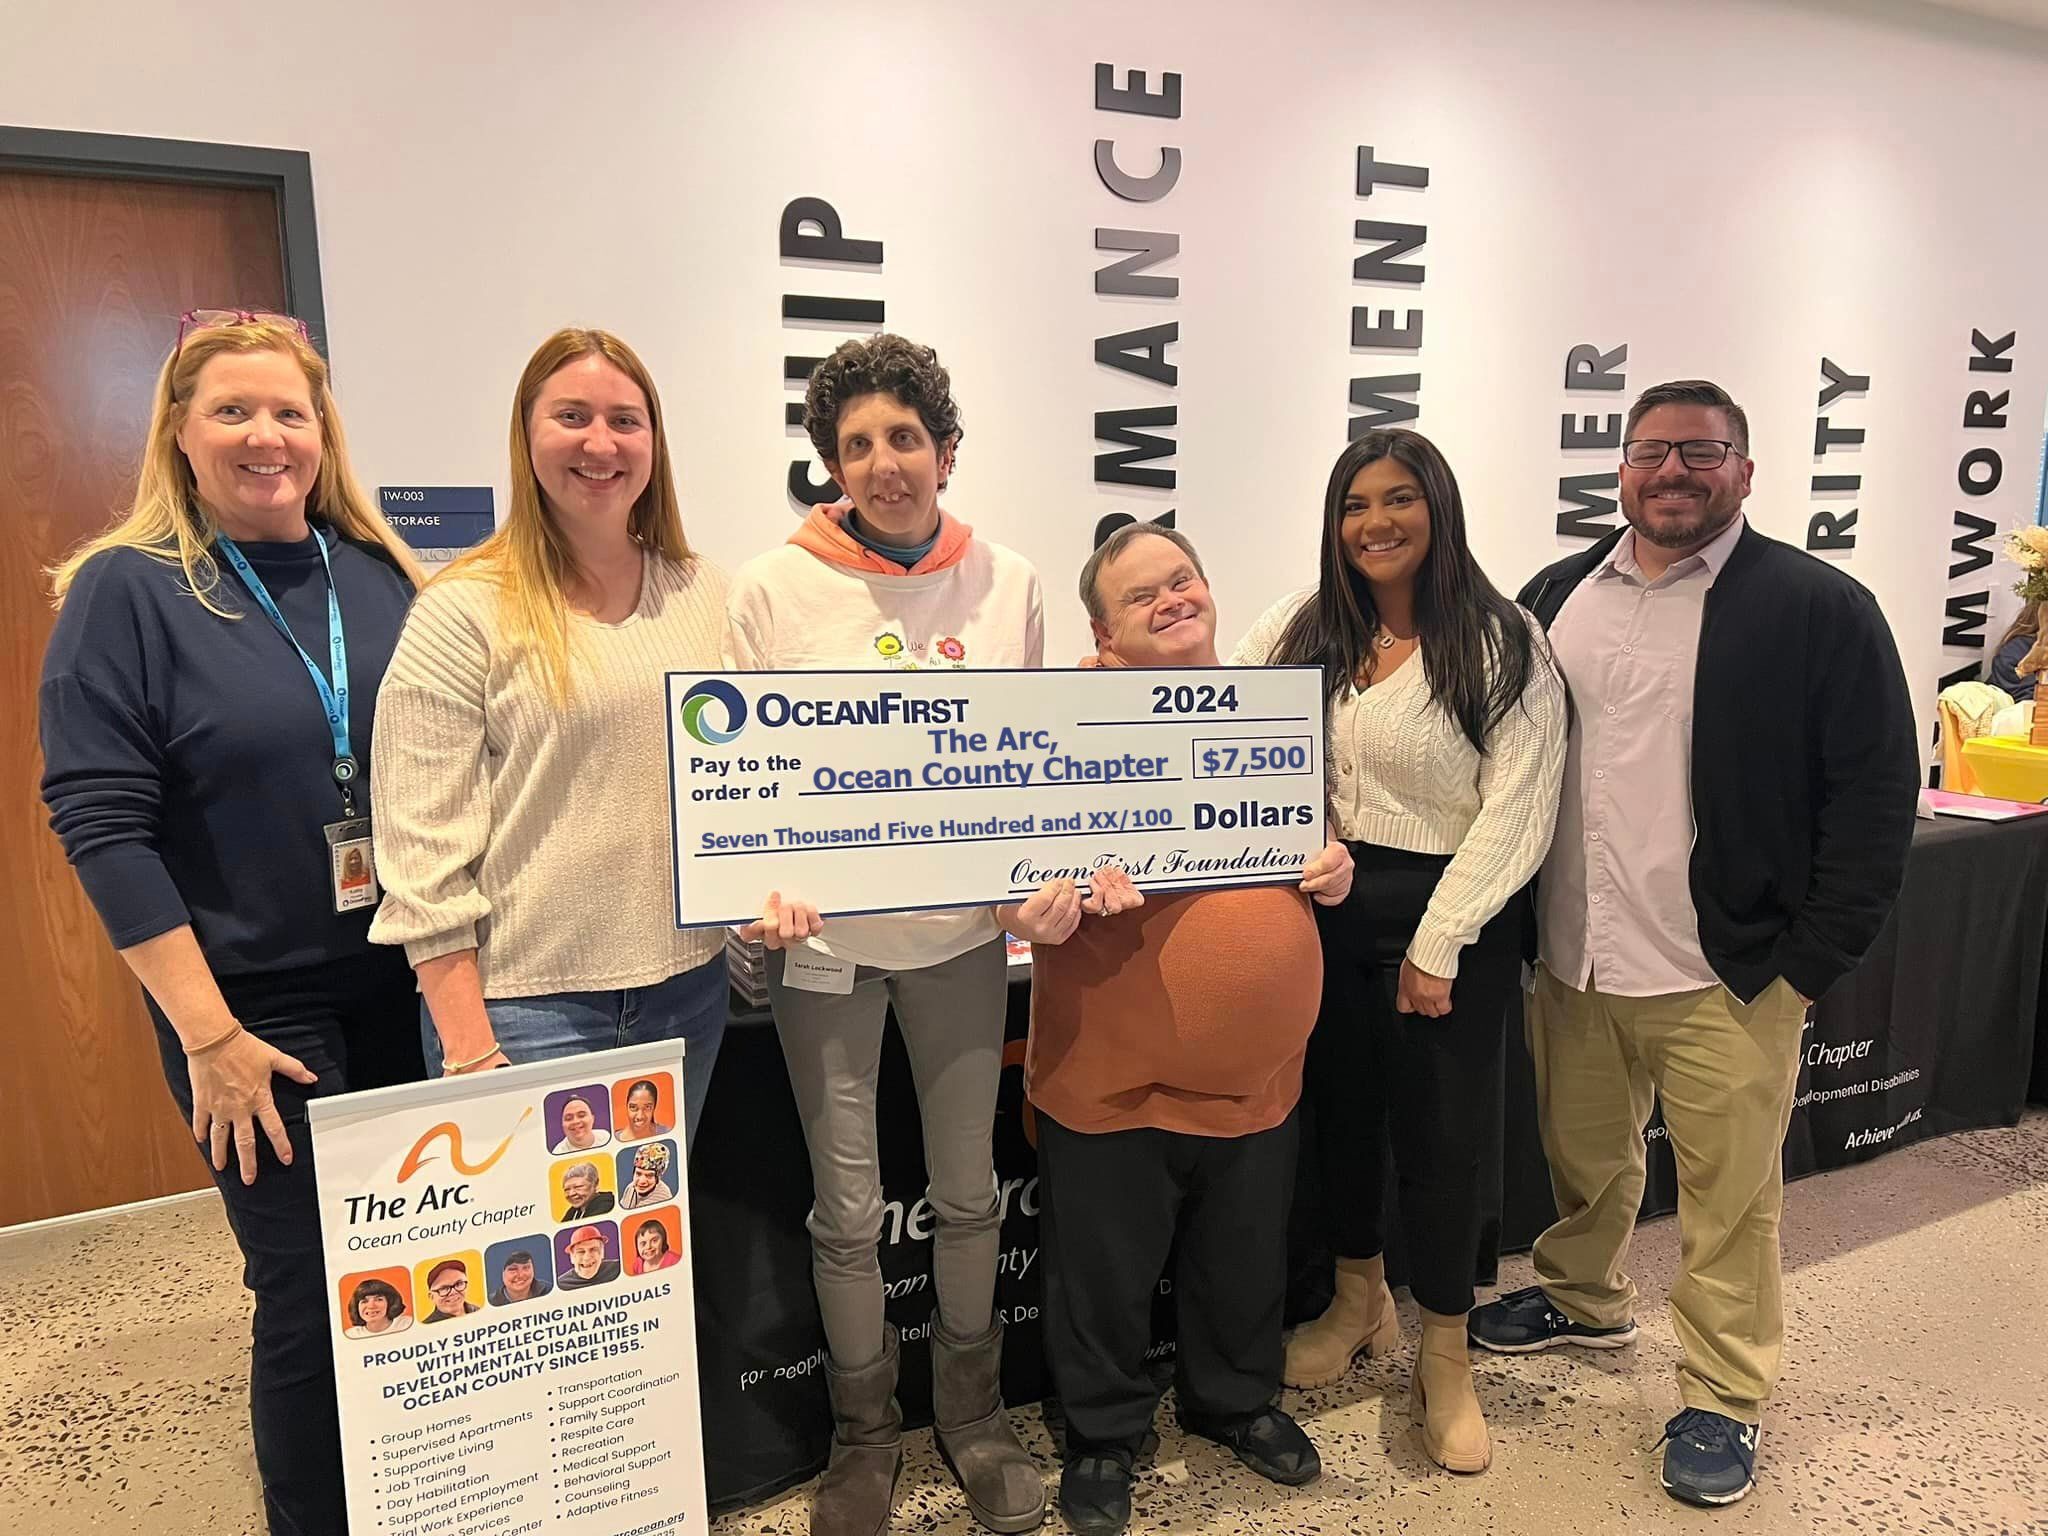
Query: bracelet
{"type": "Point", "coordinates": [222, 1038]}
{"type": "Point", "coordinates": [454, 1068]}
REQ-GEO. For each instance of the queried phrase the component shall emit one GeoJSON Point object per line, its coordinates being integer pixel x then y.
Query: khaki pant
{"type": "Point", "coordinates": [1724, 1072]}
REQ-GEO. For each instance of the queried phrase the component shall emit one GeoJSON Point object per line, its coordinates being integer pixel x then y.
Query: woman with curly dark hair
{"type": "Point", "coordinates": [887, 579]}
{"type": "Point", "coordinates": [1446, 738]}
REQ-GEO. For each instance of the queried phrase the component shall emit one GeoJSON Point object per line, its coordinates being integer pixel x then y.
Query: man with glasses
{"type": "Point", "coordinates": [449, 1286]}
{"type": "Point", "coordinates": [1738, 798]}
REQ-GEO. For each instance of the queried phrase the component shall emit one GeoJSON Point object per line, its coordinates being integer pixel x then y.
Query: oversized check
{"type": "Point", "coordinates": [872, 791]}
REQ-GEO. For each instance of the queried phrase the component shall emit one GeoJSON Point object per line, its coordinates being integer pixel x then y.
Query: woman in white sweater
{"type": "Point", "coordinates": [1446, 738]}
{"type": "Point", "coordinates": [888, 580]}
{"type": "Point", "coordinates": [522, 798]}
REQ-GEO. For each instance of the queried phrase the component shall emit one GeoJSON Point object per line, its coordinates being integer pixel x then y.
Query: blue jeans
{"type": "Point", "coordinates": [346, 1020]}
{"type": "Point", "coordinates": [690, 1006]}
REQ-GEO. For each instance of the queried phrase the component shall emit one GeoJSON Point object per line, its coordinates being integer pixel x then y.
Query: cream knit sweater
{"type": "Point", "coordinates": [534, 833]}
{"type": "Point", "coordinates": [1402, 775]}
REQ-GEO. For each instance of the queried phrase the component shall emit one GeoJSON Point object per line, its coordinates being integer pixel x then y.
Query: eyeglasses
{"type": "Point", "coordinates": [207, 319]}
{"type": "Point", "coordinates": [1693, 453]}
{"type": "Point", "coordinates": [452, 1288]}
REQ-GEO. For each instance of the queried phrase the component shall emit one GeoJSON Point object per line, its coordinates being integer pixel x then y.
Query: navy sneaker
{"type": "Point", "coordinates": [1710, 1459]}
{"type": "Point", "coordinates": [1524, 1321]}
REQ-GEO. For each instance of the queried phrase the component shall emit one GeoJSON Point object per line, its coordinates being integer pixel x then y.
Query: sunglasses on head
{"type": "Point", "coordinates": [206, 319]}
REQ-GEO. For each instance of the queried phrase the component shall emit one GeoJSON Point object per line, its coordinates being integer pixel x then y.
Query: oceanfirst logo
{"type": "Point", "coordinates": [701, 698]}
{"type": "Point", "coordinates": [891, 708]}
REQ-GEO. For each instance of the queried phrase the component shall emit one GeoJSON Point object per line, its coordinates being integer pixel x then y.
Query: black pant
{"type": "Point", "coordinates": [356, 1024]}
{"type": "Point", "coordinates": [1383, 1082]}
{"type": "Point", "coordinates": [1111, 1207]}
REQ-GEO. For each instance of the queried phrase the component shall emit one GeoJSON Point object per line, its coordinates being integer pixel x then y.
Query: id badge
{"type": "Point", "coordinates": [811, 970]}
{"type": "Point", "coordinates": [351, 872]}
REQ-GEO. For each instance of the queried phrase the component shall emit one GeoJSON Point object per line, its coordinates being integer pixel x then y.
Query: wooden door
{"type": "Point", "coordinates": [94, 273]}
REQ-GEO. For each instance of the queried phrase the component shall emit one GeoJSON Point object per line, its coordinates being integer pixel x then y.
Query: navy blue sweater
{"type": "Point", "coordinates": [188, 767]}
{"type": "Point", "coordinates": [2005, 665]}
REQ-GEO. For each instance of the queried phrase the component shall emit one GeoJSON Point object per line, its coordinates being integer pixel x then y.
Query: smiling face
{"type": "Point", "coordinates": [578, 1188]}
{"type": "Point", "coordinates": [253, 441]}
{"type": "Point", "coordinates": [1385, 524]}
{"type": "Point", "coordinates": [592, 444]}
{"type": "Point", "coordinates": [450, 1288]}
{"type": "Point", "coordinates": [644, 1177]}
{"type": "Point", "coordinates": [651, 1243]}
{"type": "Point", "coordinates": [578, 1124]}
{"type": "Point", "coordinates": [640, 1110]}
{"type": "Point", "coordinates": [585, 1257]}
{"type": "Point", "coordinates": [518, 1279]}
{"type": "Point", "coordinates": [1157, 611]}
{"type": "Point", "coordinates": [1676, 508]}
{"type": "Point", "coordinates": [890, 467]}
{"type": "Point", "coordinates": [375, 1311]}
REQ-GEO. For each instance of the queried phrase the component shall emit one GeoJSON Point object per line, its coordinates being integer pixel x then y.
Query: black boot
{"type": "Point", "coordinates": [1095, 1492]}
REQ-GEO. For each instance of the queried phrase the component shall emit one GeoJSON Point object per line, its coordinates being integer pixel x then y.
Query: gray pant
{"type": "Point", "coordinates": [951, 1016]}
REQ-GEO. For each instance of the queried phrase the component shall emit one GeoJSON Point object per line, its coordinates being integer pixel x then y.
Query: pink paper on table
{"type": "Point", "coordinates": [1947, 802]}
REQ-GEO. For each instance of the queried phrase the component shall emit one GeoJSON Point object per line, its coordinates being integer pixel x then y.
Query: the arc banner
{"type": "Point", "coordinates": [509, 1288]}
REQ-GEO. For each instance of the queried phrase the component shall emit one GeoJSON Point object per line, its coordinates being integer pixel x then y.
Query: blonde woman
{"type": "Point", "coordinates": [523, 836]}
{"type": "Point", "coordinates": [207, 701]}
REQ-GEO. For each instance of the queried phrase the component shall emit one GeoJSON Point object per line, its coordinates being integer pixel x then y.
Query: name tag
{"type": "Point", "coordinates": [809, 971]}
{"type": "Point", "coordinates": [351, 870]}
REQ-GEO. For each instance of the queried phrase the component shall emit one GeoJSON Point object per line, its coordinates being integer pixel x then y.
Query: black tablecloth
{"type": "Point", "coordinates": [1934, 1032]}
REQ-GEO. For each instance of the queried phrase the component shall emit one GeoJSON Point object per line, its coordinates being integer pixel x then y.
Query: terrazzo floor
{"type": "Point", "coordinates": [1915, 1395]}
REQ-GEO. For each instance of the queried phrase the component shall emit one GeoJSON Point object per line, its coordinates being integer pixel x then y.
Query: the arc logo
{"type": "Point", "coordinates": [450, 1134]}
{"type": "Point", "coordinates": [714, 712]}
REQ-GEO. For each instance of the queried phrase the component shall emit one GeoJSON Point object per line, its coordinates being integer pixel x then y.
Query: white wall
{"type": "Point", "coordinates": [1733, 191]}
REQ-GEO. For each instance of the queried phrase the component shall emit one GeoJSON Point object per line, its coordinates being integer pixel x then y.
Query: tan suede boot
{"type": "Point", "coordinates": [1360, 1321]}
{"type": "Point", "coordinates": [1453, 1430]}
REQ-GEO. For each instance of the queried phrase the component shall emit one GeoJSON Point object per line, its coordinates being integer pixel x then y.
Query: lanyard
{"type": "Point", "coordinates": [333, 696]}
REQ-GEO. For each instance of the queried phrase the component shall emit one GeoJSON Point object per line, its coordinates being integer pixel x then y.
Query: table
{"type": "Point", "coordinates": [1934, 1032]}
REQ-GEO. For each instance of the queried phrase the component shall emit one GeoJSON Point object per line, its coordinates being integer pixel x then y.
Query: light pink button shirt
{"type": "Point", "coordinates": [1616, 902]}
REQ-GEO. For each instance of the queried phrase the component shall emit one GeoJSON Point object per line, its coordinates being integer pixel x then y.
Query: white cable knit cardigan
{"type": "Point", "coordinates": [1402, 775]}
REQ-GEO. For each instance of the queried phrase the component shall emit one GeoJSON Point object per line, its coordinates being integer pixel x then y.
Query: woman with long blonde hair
{"type": "Point", "coordinates": [523, 840]}
{"type": "Point", "coordinates": [207, 704]}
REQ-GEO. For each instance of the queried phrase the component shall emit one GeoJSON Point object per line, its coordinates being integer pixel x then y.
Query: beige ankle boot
{"type": "Point", "coordinates": [1360, 1321]}
{"type": "Point", "coordinates": [1453, 1430]}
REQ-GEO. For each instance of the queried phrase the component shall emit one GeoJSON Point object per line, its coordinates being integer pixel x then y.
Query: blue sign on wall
{"type": "Point", "coordinates": [438, 519]}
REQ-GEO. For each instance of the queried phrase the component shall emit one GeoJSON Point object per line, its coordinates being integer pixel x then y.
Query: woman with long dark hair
{"type": "Point", "coordinates": [1446, 739]}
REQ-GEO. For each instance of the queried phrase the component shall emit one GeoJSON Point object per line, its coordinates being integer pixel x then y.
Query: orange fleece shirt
{"type": "Point", "coordinates": [1191, 1014]}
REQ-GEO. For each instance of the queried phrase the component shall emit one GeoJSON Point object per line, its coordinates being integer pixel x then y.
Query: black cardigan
{"type": "Point", "coordinates": [1805, 763]}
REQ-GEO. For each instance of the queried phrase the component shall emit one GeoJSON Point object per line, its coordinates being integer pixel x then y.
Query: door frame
{"type": "Point", "coordinates": [286, 172]}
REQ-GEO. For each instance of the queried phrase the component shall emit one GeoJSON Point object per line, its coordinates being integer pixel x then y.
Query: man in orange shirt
{"type": "Point", "coordinates": [1164, 1065]}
